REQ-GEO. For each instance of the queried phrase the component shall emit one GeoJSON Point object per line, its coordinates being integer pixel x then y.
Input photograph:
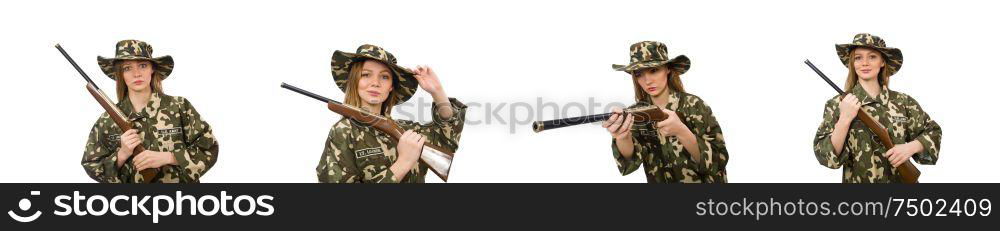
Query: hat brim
{"type": "Point", "coordinates": [340, 65]}
{"type": "Point", "coordinates": [681, 64]}
{"type": "Point", "coordinates": [163, 64]}
{"type": "Point", "coordinates": [893, 56]}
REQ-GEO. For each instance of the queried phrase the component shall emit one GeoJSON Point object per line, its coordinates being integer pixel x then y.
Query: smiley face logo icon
{"type": "Point", "coordinates": [25, 205]}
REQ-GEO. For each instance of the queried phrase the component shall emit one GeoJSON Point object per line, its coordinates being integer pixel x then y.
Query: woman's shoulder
{"type": "Point", "coordinates": [342, 125]}
{"type": "Point", "coordinates": [692, 102]}
{"type": "Point", "coordinates": [406, 124]}
{"type": "Point", "coordinates": [177, 104]}
{"type": "Point", "coordinates": [833, 100]}
{"type": "Point", "coordinates": [690, 99]}
{"type": "Point", "coordinates": [900, 97]}
{"type": "Point", "coordinates": [342, 129]}
{"type": "Point", "coordinates": [171, 100]}
{"type": "Point", "coordinates": [104, 122]}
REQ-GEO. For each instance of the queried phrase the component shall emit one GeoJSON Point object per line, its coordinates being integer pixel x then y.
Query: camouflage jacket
{"type": "Point", "coordinates": [664, 159]}
{"type": "Point", "coordinates": [166, 124]}
{"type": "Point", "coordinates": [356, 153]}
{"type": "Point", "coordinates": [861, 156]}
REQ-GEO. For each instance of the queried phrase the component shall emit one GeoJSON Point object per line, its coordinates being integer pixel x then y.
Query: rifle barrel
{"type": "Point", "coordinates": [821, 75]}
{"type": "Point", "coordinates": [539, 126]}
{"type": "Point", "coordinates": [70, 59]}
{"type": "Point", "coordinates": [307, 93]}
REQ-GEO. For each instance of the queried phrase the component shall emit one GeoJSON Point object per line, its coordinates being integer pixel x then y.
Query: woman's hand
{"type": "Point", "coordinates": [428, 81]}
{"type": "Point", "coordinates": [407, 153]}
{"type": "Point", "coordinates": [672, 126]}
{"type": "Point", "coordinates": [620, 127]}
{"type": "Point", "coordinates": [849, 107]}
{"type": "Point", "coordinates": [619, 124]}
{"type": "Point", "coordinates": [409, 146]}
{"type": "Point", "coordinates": [899, 154]}
{"type": "Point", "coordinates": [153, 159]}
{"type": "Point", "coordinates": [128, 141]}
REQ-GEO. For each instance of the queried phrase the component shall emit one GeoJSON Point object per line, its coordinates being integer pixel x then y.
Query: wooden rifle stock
{"type": "Point", "coordinates": [907, 171]}
{"type": "Point", "coordinates": [116, 115]}
{"type": "Point", "coordinates": [437, 159]}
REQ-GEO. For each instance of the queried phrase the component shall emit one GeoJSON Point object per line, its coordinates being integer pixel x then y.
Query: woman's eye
{"type": "Point", "coordinates": [142, 65]}
{"type": "Point", "coordinates": [364, 74]}
{"type": "Point", "coordinates": [385, 77]}
{"type": "Point", "coordinates": [127, 68]}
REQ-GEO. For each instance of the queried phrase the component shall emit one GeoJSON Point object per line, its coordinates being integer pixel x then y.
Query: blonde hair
{"type": "Point", "coordinates": [852, 76]}
{"type": "Point", "coordinates": [354, 99]}
{"type": "Point", "coordinates": [121, 87]}
{"type": "Point", "coordinates": [673, 82]}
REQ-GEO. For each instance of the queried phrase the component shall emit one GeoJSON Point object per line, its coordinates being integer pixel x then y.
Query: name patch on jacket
{"type": "Point", "coordinates": [114, 137]}
{"type": "Point", "coordinates": [169, 131]}
{"type": "Point", "coordinates": [113, 140]}
{"type": "Point", "coordinates": [367, 152]}
{"type": "Point", "coordinates": [647, 132]}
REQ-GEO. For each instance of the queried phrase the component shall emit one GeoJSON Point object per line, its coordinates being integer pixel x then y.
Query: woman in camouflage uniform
{"type": "Point", "coordinates": [177, 141]}
{"type": "Point", "coordinates": [841, 141]}
{"type": "Point", "coordinates": [372, 81]}
{"type": "Point", "coordinates": [688, 148]}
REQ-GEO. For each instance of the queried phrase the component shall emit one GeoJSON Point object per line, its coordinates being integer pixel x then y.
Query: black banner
{"type": "Point", "coordinates": [477, 206]}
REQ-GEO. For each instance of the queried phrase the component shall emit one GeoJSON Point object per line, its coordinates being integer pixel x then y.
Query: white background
{"type": "Point", "coordinates": [747, 64]}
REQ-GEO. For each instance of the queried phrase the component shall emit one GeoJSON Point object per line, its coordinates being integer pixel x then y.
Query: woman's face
{"type": "Point", "coordinates": [867, 63]}
{"type": "Point", "coordinates": [375, 82]}
{"type": "Point", "coordinates": [652, 80]}
{"type": "Point", "coordinates": [137, 74]}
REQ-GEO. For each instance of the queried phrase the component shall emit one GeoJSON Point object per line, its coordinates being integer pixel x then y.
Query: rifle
{"type": "Point", "coordinates": [640, 114]}
{"type": "Point", "coordinates": [907, 171]}
{"type": "Point", "coordinates": [149, 174]}
{"type": "Point", "coordinates": [437, 158]}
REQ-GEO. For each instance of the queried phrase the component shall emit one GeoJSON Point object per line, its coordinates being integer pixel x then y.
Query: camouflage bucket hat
{"type": "Point", "coordinates": [648, 54]}
{"type": "Point", "coordinates": [405, 84]}
{"type": "Point", "coordinates": [893, 56]}
{"type": "Point", "coordinates": [136, 50]}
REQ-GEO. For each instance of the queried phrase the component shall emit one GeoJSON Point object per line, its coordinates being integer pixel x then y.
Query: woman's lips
{"type": "Point", "coordinates": [137, 82]}
{"type": "Point", "coordinates": [374, 93]}
{"type": "Point", "coordinates": [651, 89]}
